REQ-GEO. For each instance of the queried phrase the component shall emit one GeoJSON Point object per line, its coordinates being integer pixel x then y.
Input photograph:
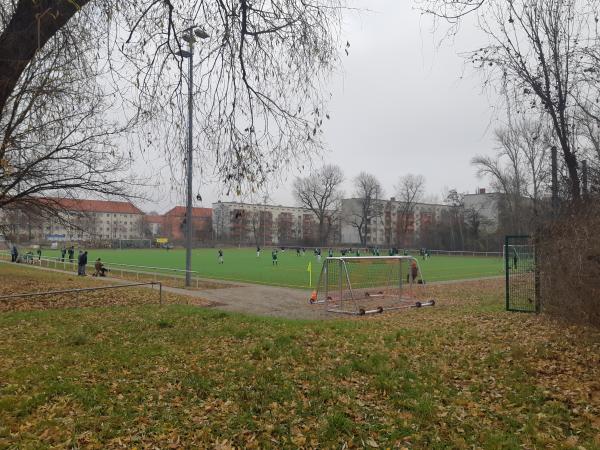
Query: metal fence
{"type": "Point", "coordinates": [521, 275]}
{"type": "Point", "coordinates": [124, 271]}
{"type": "Point", "coordinates": [462, 253]}
{"type": "Point", "coordinates": [78, 290]}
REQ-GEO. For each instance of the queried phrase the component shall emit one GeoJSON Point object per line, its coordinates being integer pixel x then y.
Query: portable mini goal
{"type": "Point", "coordinates": [371, 284]}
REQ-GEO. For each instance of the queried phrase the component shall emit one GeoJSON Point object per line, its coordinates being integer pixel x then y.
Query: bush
{"type": "Point", "coordinates": [569, 262]}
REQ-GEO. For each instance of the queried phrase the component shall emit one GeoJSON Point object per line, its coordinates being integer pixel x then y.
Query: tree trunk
{"type": "Point", "coordinates": [360, 233]}
{"type": "Point", "coordinates": [571, 162]}
{"type": "Point", "coordinates": [321, 227]}
{"type": "Point", "coordinates": [30, 27]}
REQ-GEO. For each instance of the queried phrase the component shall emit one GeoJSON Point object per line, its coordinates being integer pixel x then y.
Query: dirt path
{"type": "Point", "coordinates": [244, 298]}
{"type": "Point", "coordinates": [255, 299]}
{"type": "Point", "coordinates": [262, 300]}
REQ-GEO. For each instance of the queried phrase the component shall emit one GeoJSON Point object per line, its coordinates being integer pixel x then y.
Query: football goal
{"type": "Point", "coordinates": [371, 284]}
{"type": "Point", "coordinates": [131, 243]}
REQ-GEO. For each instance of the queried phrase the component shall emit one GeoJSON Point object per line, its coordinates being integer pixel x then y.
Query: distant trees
{"type": "Point", "coordinates": [320, 192]}
{"type": "Point", "coordinates": [456, 219]}
{"type": "Point", "coordinates": [409, 191]}
{"type": "Point", "coordinates": [219, 221]}
{"type": "Point", "coordinates": [260, 221]}
{"type": "Point", "coordinates": [589, 148]}
{"type": "Point", "coordinates": [369, 196]}
{"type": "Point", "coordinates": [285, 229]}
{"type": "Point", "coordinates": [543, 54]}
{"type": "Point", "coordinates": [519, 171]}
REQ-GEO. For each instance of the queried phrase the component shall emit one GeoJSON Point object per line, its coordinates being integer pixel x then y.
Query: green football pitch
{"type": "Point", "coordinates": [292, 270]}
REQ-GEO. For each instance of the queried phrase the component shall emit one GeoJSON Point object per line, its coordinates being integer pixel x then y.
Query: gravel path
{"type": "Point", "coordinates": [256, 299]}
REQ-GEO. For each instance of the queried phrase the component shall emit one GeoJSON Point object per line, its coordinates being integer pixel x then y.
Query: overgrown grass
{"type": "Point", "coordinates": [461, 375]}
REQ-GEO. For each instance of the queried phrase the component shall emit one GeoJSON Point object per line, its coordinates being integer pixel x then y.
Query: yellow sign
{"type": "Point", "coordinates": [162, 240]}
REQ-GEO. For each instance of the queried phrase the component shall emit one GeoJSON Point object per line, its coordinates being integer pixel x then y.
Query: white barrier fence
{"type": "Point", "coordinates": [125, 271]}
{"type": "Point", "coordinates": [462, 253]}
{"type": "Point", "coordinates": [78, 290]}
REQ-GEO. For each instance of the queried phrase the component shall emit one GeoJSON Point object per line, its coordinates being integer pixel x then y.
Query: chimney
{"type": "Point", "coordinates": [482, 190]}
{"type": "Point", "coordinates": [393, 199]}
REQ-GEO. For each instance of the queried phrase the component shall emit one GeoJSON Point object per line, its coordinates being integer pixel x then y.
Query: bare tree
{"type": "Point", "coordinates": [589, 144]}
{"type": "Point", "coordinates": [409, 191]}
{"type": "Point", "coordinates": [260, 74]}
{"type": "Point", "coordinates": [456, 219]}
{"type": "Point", "coordinates": [261, 220]}
{"type": "Point", "coordinates": [56, 137]}
{"type": "Point", "coordinates": [320, 193]}
{"type": "Point", "coordinates": [220, 218]}
{"type": "Point", "coordinates": [369, 205]}
{"type": "Point", "coordinates": [285, 229]}
{"type": "Point", "coordinates": [543, 52]}
{"type": "Point", "coordinates": [519, 170]}
{"type": "Point", "coordinates": [533, 139]}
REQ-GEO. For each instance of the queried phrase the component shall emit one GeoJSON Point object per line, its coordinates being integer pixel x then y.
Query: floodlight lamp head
{"type": "Point", "coordinates": [189, 38]}
{"type": "Point", "coordinates": [201, 34]}
{"type": "Point", "coordinates": [183, 53]}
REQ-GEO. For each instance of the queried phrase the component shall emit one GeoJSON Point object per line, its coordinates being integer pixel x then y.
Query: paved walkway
{"type": "Point", "coordinates": [256, 299]}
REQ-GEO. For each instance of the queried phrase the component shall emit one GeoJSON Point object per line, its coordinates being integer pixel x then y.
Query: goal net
{"type": "Point", "coordinates": [131, 243]}
{"type": "Point", "coordinates": [371, 284]}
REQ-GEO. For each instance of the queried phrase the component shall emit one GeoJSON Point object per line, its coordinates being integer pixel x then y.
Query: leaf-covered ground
{"type": "Point", "coordinates": [18, 279]}
{"type": "Point", "coordinates": [463, 374]}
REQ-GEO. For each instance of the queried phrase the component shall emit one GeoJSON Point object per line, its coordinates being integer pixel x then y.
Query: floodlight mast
{"type": "Point", "coordinates": [189, 54]}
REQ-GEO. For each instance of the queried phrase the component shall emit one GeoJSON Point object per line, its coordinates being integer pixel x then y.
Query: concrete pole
{"type": "Point", "coordinates": [189, 221]}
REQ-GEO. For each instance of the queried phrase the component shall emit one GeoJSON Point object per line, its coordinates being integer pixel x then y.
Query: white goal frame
{"type": "Point", "coordinates": [366, 296]}
{"type": "Point", "coordinates": [142, 241]}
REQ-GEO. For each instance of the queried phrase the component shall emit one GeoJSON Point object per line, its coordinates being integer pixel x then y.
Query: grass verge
{"type": "Point", "coordinates": [461, 375]}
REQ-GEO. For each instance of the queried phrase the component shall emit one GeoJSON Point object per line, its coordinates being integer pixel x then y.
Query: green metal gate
{"type": "Point", "coordinates": [520, 268]}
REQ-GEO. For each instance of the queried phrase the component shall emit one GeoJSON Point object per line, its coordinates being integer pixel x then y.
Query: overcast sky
{"type": "Point", "coordinates": [402, 103]}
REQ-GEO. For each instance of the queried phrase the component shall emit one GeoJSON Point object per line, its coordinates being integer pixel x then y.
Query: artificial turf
{"type": "Point", "coordinates": [291, 270]}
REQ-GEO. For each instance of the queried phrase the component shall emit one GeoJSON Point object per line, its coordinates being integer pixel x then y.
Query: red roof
{"type": "Point", "coordinates": [97, 206]}
{"type": "Point", "coordinates": [179, 211]}
{"type": "Point", "coordinates": [154, 218]}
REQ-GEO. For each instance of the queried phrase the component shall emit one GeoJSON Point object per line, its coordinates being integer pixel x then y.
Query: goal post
{"type": "Point", "coordinates": [362, 285]}
{"type": "Point", "coordinates": [131, 243]}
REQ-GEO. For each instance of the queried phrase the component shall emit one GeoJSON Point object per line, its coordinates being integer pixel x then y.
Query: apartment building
{"type": "Point", "coordinates": [79, 220]}
{"type": "Point", "coordinates": [394, 224]}
{"type": "Point", "coordinates": [251, 224]}
{"type": "Point", "coordinates": [173, 224]}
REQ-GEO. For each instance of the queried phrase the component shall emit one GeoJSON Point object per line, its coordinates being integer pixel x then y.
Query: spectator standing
{"type": "Point", "coordinates": [81, 263]}
{"type": "Point", "coordinates": [14, 254]}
